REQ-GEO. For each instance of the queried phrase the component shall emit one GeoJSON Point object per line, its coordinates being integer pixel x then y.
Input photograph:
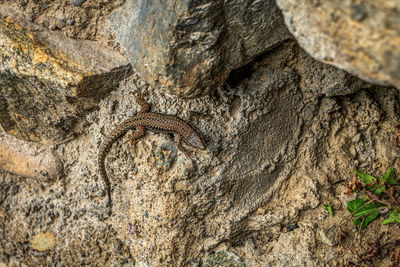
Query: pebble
{"type": "Point", "coordinates": [77, 2]}
{"type": "Point", "coordinates": [328, 236]}
{"type": "Point", "coordinates": [44, 241]}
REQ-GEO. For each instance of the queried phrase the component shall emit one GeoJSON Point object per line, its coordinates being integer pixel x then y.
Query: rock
{"type": "Point", "coordinates": [360, 37]}
{"type": "Point", "coordinates": [44, 241]}
{"type": "Point", "coordinates": [295, 248]}
{"type": "Point", "coordinates": [323, 79]}
{"type": "Point", "coordinates": [47, 81]}
{"type": "Point", "coordinates": [190, 47]}
{"type": "Point", "coordinates": [275, 142]}
{"type": "Point", "coordinates": [77, 2]}
{"type": "Point", "coordinates": [165, 155]}
{"type": "Point", "coordinates": [29, 160]}
{"type": "Point", "coordinates": [345, 198]}
{"type": "Point", "coordinates": [223, 259]}
{"type": "Point", "coordinates": [329, 236]}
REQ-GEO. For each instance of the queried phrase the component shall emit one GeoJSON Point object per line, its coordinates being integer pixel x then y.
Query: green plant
{"type": "Point", "coordinates": [328, 208]}
{"type": "Point", "coordinates": [374, 195]}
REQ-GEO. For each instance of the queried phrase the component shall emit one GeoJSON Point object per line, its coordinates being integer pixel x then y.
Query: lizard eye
{"type": "Point", "coordinates": [195, 140]}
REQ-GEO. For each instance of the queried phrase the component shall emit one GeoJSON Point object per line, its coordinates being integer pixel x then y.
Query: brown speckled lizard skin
{"type": "Point", "coordinates": [140, 122]}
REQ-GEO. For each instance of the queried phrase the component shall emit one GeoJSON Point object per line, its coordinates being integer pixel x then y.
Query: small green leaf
{"type": "Point", "coordinates": [389, 177]}
{"type": "Point", "coordinates": [370, 218]}
{"type": "Point", "coordinates": [367, 209]}
{"type": "Point", "coordinates": [368, 179]}
{"type": "Point", "coordinates": [365, 177]}
{"type": "Point", "coordinates": [394, 217]}
{"type": "Point", "coordinates": [377, 188]}
{"type": "Point", "coordinates": [328, 208]}
{"type": "Point", "coordinates": [357, 222]}
{"type": "Point", "coordinates": [355, 204]}
{"type": "Point", "coordinates": [367, 220]}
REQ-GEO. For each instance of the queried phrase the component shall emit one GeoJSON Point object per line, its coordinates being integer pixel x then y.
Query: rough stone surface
{"type": "Point", "coordinates": [329, 236]}
{"type": "Point", "coordinates": [295, 249]}
{"type": "Point", "coordinates": [361, 37]}
{"type": "Point", "coordinates": [28, 159]}
{"type": "Point", "coordinates": [48, 81]}
{"type": "Point", "coordinates": [326, 80]}
{"type": "Point", "coordinates": [275, 145]}
{"type": "Point", "coordinates": [282, 135]}
{"type": "Point", "coordinates": [223, 259]}
{"type": "Point", "coordinates": [190, 47]}
{"type": "Point", "coordinates": [77, 2]}
{"type": "Point", "coordinates": [87, 21]}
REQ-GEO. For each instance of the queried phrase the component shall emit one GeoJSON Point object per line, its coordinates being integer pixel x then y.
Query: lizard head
{"type": "Point", "coordinates": [195, 140]}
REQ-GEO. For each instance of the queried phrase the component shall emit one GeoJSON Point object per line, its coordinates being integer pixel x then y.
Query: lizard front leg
{"type": "Point", "coordinates": [139, 132]}
{"type": "Point", "coordinates": [145, 107]}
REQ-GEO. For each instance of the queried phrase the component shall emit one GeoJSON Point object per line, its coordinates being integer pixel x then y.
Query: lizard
{"type": "Point", "coordinates": [141, 121]}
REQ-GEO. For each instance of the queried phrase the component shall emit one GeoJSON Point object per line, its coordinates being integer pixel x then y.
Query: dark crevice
{"type": "Point", "coordinates": [240, 74]}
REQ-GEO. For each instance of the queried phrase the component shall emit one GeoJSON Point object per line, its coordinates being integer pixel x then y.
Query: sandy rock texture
{"type": "Point", "coordinates": [283, 134]}
{"type": "Point", "coordinates": [49, 81]}
{"type": "Point", "coordinates": [190, 47]}
{"type": "Point", "coordinates": [274, 149]}
{"type": "Point", "coordinates": [77, 19]}
{"type": "Point", "coordinates": [361, 37]}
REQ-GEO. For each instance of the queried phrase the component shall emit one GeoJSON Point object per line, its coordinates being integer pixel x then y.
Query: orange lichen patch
{"type": "Point", "coordinates": [75, 91]}
{"type": "Point", "coordinates": [39, 56]}
{"type": "Point", "coordinates": [30, 36]}
{"type": "Point", "coordinates": [54, 64]}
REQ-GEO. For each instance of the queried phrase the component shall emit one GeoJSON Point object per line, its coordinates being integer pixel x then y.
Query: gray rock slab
{"type": "Point", "coordinates": [361, 37]}
{"type": "Point", "coordinates": [190, 47]}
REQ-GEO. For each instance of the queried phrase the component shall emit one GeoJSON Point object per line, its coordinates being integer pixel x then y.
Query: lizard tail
{"type": "Point", "coordinates": [104, 149]}
{"type": "Point", "coordinates": [103, 174]}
